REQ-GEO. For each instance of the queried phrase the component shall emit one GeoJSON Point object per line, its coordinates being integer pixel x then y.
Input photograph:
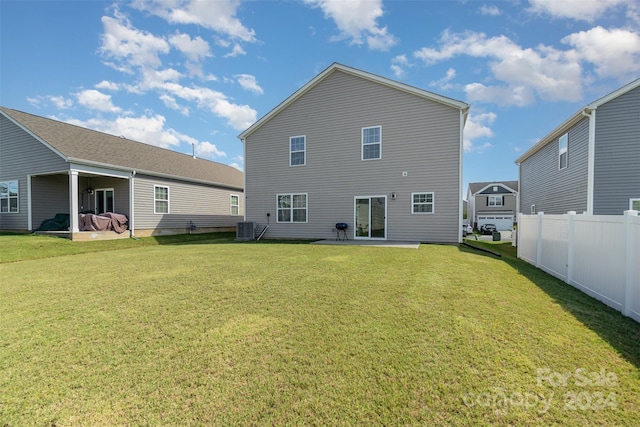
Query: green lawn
{"type": "Point", "coordinates": [201, 330]}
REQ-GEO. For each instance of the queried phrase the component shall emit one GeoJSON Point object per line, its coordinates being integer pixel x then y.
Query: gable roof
{"type": "Point", "coordinates": [462, 106]}
{"type": "Point", "coordinates": [579, 115]}
{"type": "Point", "coordinates": [81, 145]}
{"type": "Point", "coordinates": [476, 187]}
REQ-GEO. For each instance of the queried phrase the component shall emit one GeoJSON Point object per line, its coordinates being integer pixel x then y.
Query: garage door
{"type": "Point", "coordinates": [502, 222]}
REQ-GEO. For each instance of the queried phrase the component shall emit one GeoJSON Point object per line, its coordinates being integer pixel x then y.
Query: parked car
{"type": "Point", "coordinates": [488, 229]}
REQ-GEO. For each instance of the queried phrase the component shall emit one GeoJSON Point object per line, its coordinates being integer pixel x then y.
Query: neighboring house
{"type": "Point", "coordinates": [352, 147]}
{"type": "Point", "coordinates": [590, 163]}
{"type": "Point", "coordinates": [492, 203]}
{"type": "Point", "coordinates": [49, 167]}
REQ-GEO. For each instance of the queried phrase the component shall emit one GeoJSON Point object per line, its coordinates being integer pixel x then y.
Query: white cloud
{"type": "Point", "coordinates": [61, 102]}
{"type": "Point", "coordinates": [614, 53]}
{"type": "Point", "coordinates": [523, 73]}
{"type": "Point", "coordinates": [489, 10]}
{"type": "Point", "coordinates": [357, 20]}
{"type": "Point", "coordinates": [478, 126]}
{"type": "Point", "coordinates": [107, 85]}
{"type": "Point", "coordinates": [207, 149]}
{"type": "Point", "coordinates": [148, 129]}
{"type": "Point", "coordinates": [445, 82]}
{"type": "Point", "coordinates": [586, 10]}
{"type": "Point", "coordinates": [194, 49]}
{"type": "Point", "coordinates": [219, 15]}
{"type": "Point", "coordinates": [237, 50]}
{"type": "Point", "coordinates": [129, 46]}
{"type": "Point", "coordinates": [170, 102]}
{"type": "Point", "coordinates": [399, 64]}
{"type": "Point", "coordinates": [248, 82]}
{"type": "Point", "coordinates": [239, 117]}
{"type": "Point", "coordinates": [96, 100]}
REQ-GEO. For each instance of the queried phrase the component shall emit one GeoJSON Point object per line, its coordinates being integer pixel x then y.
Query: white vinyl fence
{"type": "Point", "coordinates": [598, 254]}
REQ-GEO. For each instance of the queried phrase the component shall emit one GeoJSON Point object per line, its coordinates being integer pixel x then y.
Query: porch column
{"type": "Point", "coordinates": [73, 202]}
{"type": "Point", "coordinates": [132, 216]}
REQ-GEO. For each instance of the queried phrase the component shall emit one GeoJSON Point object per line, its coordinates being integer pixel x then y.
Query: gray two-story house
{"type": "Point", "coordinates": [351, 147]}
{"type": "Point", "coordinates": [590, 163]}
{"type": "Point", "coordinates": [51, 169]}
{"type": "Point", "coordinates": [492, 203]}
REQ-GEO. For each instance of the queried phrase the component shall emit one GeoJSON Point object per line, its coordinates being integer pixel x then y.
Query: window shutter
{"type": "Point", "coordinates": [502, 200]}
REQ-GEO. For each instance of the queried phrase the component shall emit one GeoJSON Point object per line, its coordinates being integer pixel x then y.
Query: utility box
{"type": "Point", "coordinates": [246, 231]}
{"type": "Point", "coordinates": [496, 236]}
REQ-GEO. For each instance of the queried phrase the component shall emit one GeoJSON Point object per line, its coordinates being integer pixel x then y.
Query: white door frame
{"type": "Point", "coordinates": [355, 217]}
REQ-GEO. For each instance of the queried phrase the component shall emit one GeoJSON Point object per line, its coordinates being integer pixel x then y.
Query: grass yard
{"type": "Point", "coordinates": [201, 330]}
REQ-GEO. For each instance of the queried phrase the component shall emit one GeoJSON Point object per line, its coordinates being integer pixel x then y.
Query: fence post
{"type": "Point", "coordinates": [630, 259]}
{"type": "Point", "coordinates": [539, 240]}
{"type": "Point", "coordinates": [572, 216]}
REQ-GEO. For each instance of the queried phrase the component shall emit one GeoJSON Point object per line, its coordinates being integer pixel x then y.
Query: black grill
{"type": "Point", "coordinates": [342, 225]}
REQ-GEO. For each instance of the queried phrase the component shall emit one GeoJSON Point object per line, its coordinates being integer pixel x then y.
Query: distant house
{"type": "Point", "coordinates": [356, 148]}
{"type": "Point", "coordinates": [492, 203]}
{"type": "Point", "coordinates": [48, 167]}
{"type": "Point", "coordinates": [590, 163]}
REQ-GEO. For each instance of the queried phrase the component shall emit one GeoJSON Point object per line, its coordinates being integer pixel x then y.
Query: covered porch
{"type": "Point", "coordinates": [66, 203]}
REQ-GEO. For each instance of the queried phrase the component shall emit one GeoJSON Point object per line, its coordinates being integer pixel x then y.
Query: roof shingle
{"type": "Point", "coordinates": [80, 144]}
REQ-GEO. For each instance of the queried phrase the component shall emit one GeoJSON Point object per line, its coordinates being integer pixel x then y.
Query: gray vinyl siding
{"type": "Point", "coordinates": [49, 196]}
{"type": "Point", "coordinates": [15, 165]}
{"type": "Point", "coordinates": [555, 191]}
{"type": "Point", "coordinates": [617, 154]}
{"type": "Point", "coordinates": [419, 136]}
{"type": "Point", "coordinates": [206, 206]}
{"type": "Point", "coordinates": [482, 204]}
{"type": "Point", "coordinates": [120, 188]}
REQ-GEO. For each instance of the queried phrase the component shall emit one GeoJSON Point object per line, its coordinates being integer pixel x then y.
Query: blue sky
{"type": "Point", "coordinates": [175, 73]}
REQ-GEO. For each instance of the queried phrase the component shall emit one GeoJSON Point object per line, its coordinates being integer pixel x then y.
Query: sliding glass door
{"type": "Point", "coordinates": [370, 217]}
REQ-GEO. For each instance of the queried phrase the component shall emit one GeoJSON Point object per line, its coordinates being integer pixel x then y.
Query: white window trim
{"type": "Point", "coordinates": [432, 203]}
{"type": "Point", "coordinates": [8, 197]}
{"type": "Point", "coordinates": [494, 198]}
{"type": "Point", "coordinates": [159, 200]}
{"type": "Point", "coordinates": [362, 143]}
{"type": "Point", "coordinates": [533, 209]}
{"type": "Point", "coordinates": [306, 217]}
{"type": "Point", "coordinates": [298, 151]}
{"type": "Point", "coordinates": [562, 151]}
{"type": "Point", "coordinates": [631, 202]}
{"type": "Point", "coordinates": [231, 205]}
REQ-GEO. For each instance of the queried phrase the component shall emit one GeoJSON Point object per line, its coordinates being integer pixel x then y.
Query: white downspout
{"type": "Point", "coordinates": [460, 203]}
{"type": "Point", "coordinates": [591, 158]}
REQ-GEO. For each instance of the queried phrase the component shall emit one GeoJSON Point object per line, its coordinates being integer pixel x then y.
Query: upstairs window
{"type": "Point", "coordinates": [634, 204]}
{"type": "Point", "coordinates": [297, 150]}
{"type": "Point", "coordinates": [292, 207]}
{"type": "Point", "coordinates": [372, 143]}
{"type": "Point", "coordinates": [161, 200]}
{"type": "Point", "coordinates": [494, 201]}
{"type": "Point", "coordinates": [235, 204]}
{"type": "Point", "coordinates": [422, 203]}
{"type": "Point", "coordinates": [9, 197]}
{"type": "Point", "coordinates": [563, 151]}
{"type": "Point", "coordinates": [533, 209]}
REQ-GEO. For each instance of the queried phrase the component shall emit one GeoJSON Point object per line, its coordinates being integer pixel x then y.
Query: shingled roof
{"type": "Point", "coordinates": [474, 187]}
{"type": "Point", "coordinates": [82, 145]}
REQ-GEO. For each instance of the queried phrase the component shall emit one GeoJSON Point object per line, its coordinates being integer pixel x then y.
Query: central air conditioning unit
{"type": "Point", "coordinates": [245, 230]}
